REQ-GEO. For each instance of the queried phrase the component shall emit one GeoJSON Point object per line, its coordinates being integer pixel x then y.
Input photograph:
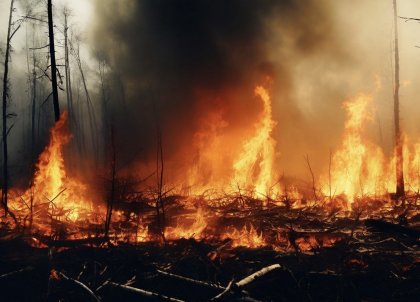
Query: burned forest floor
{"type": "Point", "coordinates": [310, 253]}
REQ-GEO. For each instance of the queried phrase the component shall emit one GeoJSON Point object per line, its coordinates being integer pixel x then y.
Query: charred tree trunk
{"type": "Point", "coordinates": [5, 96]}
{"type": "Point", "coordinates": [33, 103]}
{"type": "Point", "coordinates": [160, 206]}
{"type": "Point", "coordinates": [53, 64]}
{"type": "Point", "coordinates": [33, 140]}
{"type": "Point", "coordinates": [398, 140]}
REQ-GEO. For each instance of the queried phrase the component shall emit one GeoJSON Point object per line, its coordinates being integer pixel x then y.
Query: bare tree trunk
{"type": "Point", "coordinates": [33, 128]}
{"type": "Point", "coordinates": [398, 140]}
{"type": "Point", "coordinates": [53, 64]}
{"type": "Point", "coordinates": [160, 207]}
{"type": "Point", "coordinates": [5, 96]}
{"type": "Point", "coordinates": [33, 111]}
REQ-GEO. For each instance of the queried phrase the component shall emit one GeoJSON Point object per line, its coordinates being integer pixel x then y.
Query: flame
{"type": "Point", "coordinates": [183, 230]}
{"type": "Point", "coordinates": [253, 169]}
{"type": "Point", "coordinates": [357, 168]}
{"type": "Point", "coordinates": [248, 236]}
{"type": "Point", "coordinates": [411, 166]}
{"type": "Point", "coordinates": [208, 167]}
{"type": "Point", "coordinates": [63, 195]}
{"type": "Point", "coordinates": [222, 161]}
{"type": "Point", "coordinates": [142, 234]}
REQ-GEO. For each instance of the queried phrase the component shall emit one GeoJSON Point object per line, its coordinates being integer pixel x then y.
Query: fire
{"type": "Point", "coordinates": [185, 230]}
{"type": "Point", "coordinates": [62, 195]}
{"type": "Point", "coordinates": [357, 168]}
{"type": "Point", "coordinates": [253, 169]}
{"type": "Point", "coordinates": [222, 161]}
{"type": "Point", "coordinates": [412, 166]}
{"type": "Point", "coordinates": [247, 236]}
{"type": "Point", "coordinates": [207, 170]}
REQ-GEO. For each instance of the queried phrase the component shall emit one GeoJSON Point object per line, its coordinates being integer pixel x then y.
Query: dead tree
{"type": "Point", "coordinates": [400, 191]}
{"type": "Point", "coordinates": [53, 62]}
{"type": "Point", "coordinates": [33, 126]}
{"type": "Point", "coordinates": [160, 206]}
{"type": "Point", "coordinates": [5, 114]}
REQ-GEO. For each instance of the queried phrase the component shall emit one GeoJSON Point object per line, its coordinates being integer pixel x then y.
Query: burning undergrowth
{"type": "Point", "coordinates": [242, 207]}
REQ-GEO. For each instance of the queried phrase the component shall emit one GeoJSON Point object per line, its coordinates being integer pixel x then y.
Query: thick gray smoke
{"type": "Point", "coordinates": [186, 58]}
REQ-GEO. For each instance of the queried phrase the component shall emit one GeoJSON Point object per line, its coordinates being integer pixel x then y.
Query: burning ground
{"type": "Point", "coordinates": [217, 150]}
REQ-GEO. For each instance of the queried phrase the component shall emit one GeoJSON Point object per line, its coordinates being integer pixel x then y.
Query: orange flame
{"type": "Point", "coordinates": [357, 168]}
{"type": "Point", "coordinates": [183, 230]}
{"type": "Point", "coordinates": [254, 166]}
{"type": "Point", "coordinates": [248, 236]}
{"type": "Point", "coordinates": [64, 196]}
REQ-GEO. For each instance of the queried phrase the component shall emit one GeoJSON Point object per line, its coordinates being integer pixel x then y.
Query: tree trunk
{"type": "Point", "coordinates": [33, 131]}
{"type": "Point", "coordinates": [5, 96]}
{"type": "Point", "coordinates": [160, 206]}
{"type": "Point", "coordinates": [398, 140]}
{"type": "Point", "coordinates": [53, 64]}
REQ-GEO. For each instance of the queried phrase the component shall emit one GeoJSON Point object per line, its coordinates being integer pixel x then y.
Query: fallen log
{"type": "Point", "coordinates": [142, 292]}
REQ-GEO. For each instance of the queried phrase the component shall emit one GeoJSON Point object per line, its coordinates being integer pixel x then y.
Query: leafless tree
{"type": "Point", "coordinates": [400, 191]}
{"type": "Point", "coordinates": [53, 62]}
{"type": "Point", "coordinates": [12, 28]}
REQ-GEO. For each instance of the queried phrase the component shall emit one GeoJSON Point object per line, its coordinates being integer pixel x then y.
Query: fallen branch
{"type": "Point", "coordinates": [233, 287]}
{"type": "Point", "coordinates": [257, 275]}
{"type": "Point", "coordinates": [142, 292]}
{"type": "Point", "coordinates": [81, 285]}
{"type": "Point", "coordinates": [7, 275]}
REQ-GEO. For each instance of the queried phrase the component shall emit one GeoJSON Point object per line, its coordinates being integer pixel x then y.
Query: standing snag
{"type": "Point", "coordinates": [5, 114]}
{"type": "Point", "coordinates": [400, 191]}
{"type": "Point", "coordinates": [53, 63]}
